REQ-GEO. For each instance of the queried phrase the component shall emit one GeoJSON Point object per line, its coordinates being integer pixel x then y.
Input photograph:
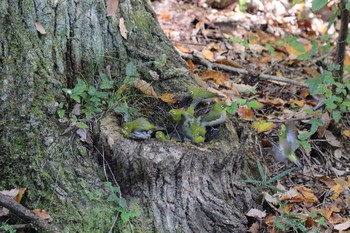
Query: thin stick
{"type": "Point", "coordinates": [205, 62]}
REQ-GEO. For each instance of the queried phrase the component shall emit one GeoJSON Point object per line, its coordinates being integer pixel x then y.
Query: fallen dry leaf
{"type": "Point", "coordinates": [299, 103]}
{"type": "Point", "coordinates": [43, 214]}
{"type": "Point", "coordinates": [338, 153]}
{"type": "Point", "coordinates": [337, 190]}
{"type": "Point", "coordinates": [255, 213]}
{"type": "Point", "coordinates": [346, 133]}
{"type": "Point", "coordinates": [144, 87]}
{"type": "Point", "coordinates": [208, 54]}
{"type": "Point", "coordinates": [262, 126]}
{"type": "Point", "coordinates": [122, 29]}
{"type": "Point", "coordinates": [245, 113]}
{"type": "Point", "coordinates": [191, 65]}
{"type": "Point", "coordinates": [168, 98]}
{"type": "Point", "coordinates": [20, 194]}
{"type": "Point", "coordinates": [327, 181]}
{"type": "Point", "coordinates": [331, 139]}
{"type": "Point", "coordinates": [121, 89]}
{"type": "Point", "coordinates": [40, 28]}
{"type": "Point", "coordinates": [254, 228]}
{"type": "Point", "coordinates": [342, 226]}
{"type": "Point", "coordinates": [325, 118]}
{"type": "Point", "coordinates": [182, 49]}
{"type": "Point", "coordinates": [112, 7]}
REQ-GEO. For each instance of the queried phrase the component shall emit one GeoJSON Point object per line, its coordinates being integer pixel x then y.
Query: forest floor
{"type": "Point", "coordinates": [262, 60]}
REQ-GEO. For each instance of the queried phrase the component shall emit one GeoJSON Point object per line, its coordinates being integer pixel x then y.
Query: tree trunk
{"type": "Point", "coordinates": [184, 187]}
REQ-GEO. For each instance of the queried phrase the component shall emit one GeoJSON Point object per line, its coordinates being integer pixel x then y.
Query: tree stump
{"type": "Point", "coordinates": [188, 188]}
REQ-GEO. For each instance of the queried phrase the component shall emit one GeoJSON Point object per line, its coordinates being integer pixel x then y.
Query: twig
{"type": "Point", "coordinates": [25, 214]}
{"type": "Point", "coordinates": [205, 62]}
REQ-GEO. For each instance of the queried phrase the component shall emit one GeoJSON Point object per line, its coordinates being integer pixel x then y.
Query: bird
{"type": "Point", "coordinates": [160, 135]}
{"type": "Point", "coordinates": [179, 114]}
{"type": "Point", "coordinates": [192, 130]}
{"type": "Point", "coordinates": [199, 95]}
{"type": "Point", "coordinates": [216, 116]}
{"type": "Point", "coordinates": [140, 128]}
{"type": "Point", "coordinates": [287, 144]}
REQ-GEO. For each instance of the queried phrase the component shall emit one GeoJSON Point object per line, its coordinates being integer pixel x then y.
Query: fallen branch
{"type": "Point", "coordinates": [25, 214]}
{"type": "Point", "coordinates": [205, 62]}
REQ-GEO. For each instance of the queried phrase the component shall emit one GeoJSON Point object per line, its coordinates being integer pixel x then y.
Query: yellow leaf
{"type": "Point", "coordinates": [208, 54]}
{"type": "Point", "coordinates": [121, 89]}
{"type": "Point", "coordinates": [346, 133]}
{"type": "Point", "coordinates": [19, 196]}
{"type": "Point", "coordinates": [337, 189]}
{"type": "Point", "coordinates": [144, 87]}
{"type": "Point", "coordinates": [168, 98]}
{"type": "Point", "coordinates": [43, 214]}
{"type": "Point", "coordinates": [262, 126]}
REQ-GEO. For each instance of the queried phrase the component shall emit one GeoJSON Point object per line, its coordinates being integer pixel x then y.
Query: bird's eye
{"type": "Point", "coordinates": [191, 92]}
{"type": "Point", "coordinates": [173, 112]}
{"type": "Point", "coordinates": [198, 134]}
{"type": "Point", "coordinates": [280, 133]}
{"type": "Point", "coordinates": [126, 127]}
{"type": "Point", "coordinates": [222, 106]}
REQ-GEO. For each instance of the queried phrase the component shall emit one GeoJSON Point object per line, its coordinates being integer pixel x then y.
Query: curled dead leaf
{"type": "Point", "coordinates": [43, 214]}
{"type": "Point", "coordinates": [168, 98]}
{"type": "Point", "coordinates": [122, 29]}
{"type": "Point", "coordinates": [144, 87]}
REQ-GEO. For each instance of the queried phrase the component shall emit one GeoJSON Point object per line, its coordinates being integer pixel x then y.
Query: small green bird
{"type": "Point", "coordinates": [216, 116]}
{"type": "Point", "coordinates": [160, 135]}
{"type": "Point", "coordinates": [193, 131]}
{"type": "Point", "coordinates": [179, 114]}
{"type": "Point", "coordinates": [287, 144]}
{"type": "Point", "coordinates": [201, 95]}
{"type": "Point", "coordinates": [140, 128]}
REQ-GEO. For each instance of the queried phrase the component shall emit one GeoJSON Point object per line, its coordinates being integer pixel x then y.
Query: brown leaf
{"type": "Point", "coordinates": [40, 28]}
{"type": "Point", "coordinates": [325, 118]}
{"type": "Point", "coordinates": [337, 190]}
{"type": "Point", "coordinates": [122, 29]}
{"type": "Point", "coordinates": [43, 214]}
{"type": "Point", "coordinates": [299, 103]}
{"type": "Point", "coordinates": [327, 181]}
{"type": "Point", "coordinates": [254, 228]}
{"type": "Point", "coordinates": [208, 54]}
{"type": "Point", "coordinates": [144, 87]}
{"type": "Point", "coordinates": [191, 65]}
{"type": "Point", "coordinates": [112, 7]}
{"type": "Point", "coordinates": [168, 98]}
{"type": "Point", "coordinates": [331, 139]}
{"type": "Point", "coordinates": [245, 113]}
{"type": "Point", "coordinates": [121, 89]}
{"type": "Point", "coordinates": [182, 49]}
{"type": "Point", "coordinates": [228, 62]}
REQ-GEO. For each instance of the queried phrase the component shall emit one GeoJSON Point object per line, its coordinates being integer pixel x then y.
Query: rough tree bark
{"type": "Point", "coordinates": [184, 187]}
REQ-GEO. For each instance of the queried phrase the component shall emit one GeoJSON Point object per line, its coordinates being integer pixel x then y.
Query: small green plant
{"type": "Point", "coordinates": [266, 182]}
{"type": "Point", "coordinates": [91, 99]}
{"type": "Point", "coordinates": [115, 197]}
{"type": "Point", "coordinates": [251, 104]}
{"type": "Point", "coordinates": [289, 220]}
{"type": "Point", "coordinates": [6, 228]}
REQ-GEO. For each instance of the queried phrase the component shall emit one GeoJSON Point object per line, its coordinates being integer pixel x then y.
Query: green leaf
{"type": "Point", "coordinates": [315, 123]}
{"type": "Point", "coordinates": [106, 82]}
{"type": "Point", "coordinates": [304, 136]}
{"type": "Point", "coordinates": [280, 226]}
{"type": "Point", "coordinates": [82, 125]}
{"type": "Point", "coordinates": [125, 216]}
{"type": "Point", "coordinates": [336, 116]}
{"type": "Point", "coordinates": [122, 202]}
{"type": "Point", "coordinates": [280, 175]}
{"type": "Point", "coordinates": [61, 112]}
{"type": "Point", "coordinates": [318, 4]}
{"type": "Point", "coordinates": [309, 54]}
{"type": "Point", "coordinates": [131, 70]}
{"type": "Point", "coordinates": [347, 6]}
{"type": "Point", "coordinates": [306, 145]}
{"type": "Point", "coordinates": [313, 84]}
{"type": "Point", "coordinates": [232, 109]}
{"type": "Point", "coordinates": [261, 171]}
{"type": "Point", "coordinates": [254, 104]}
{"type": "Point", "coordinates": [112, 197]}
